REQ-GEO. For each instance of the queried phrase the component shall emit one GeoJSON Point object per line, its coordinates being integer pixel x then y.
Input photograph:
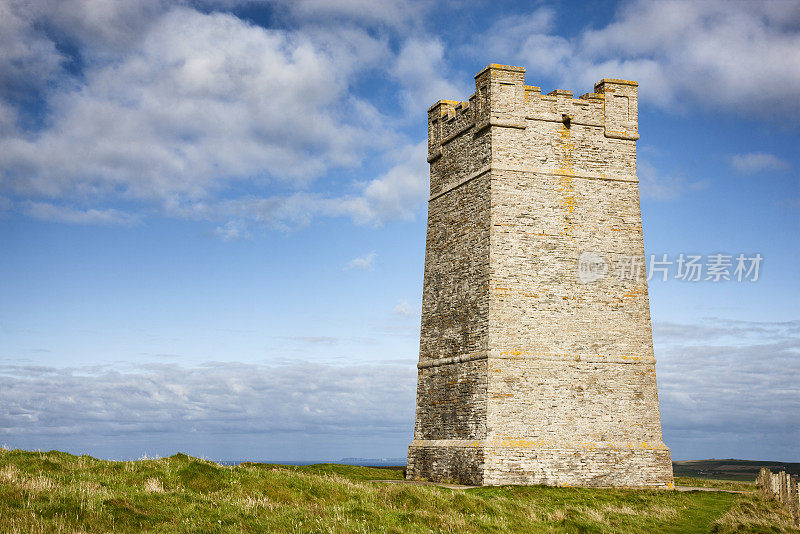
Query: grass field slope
{"type": "Point", "coordinates": [58, 492]}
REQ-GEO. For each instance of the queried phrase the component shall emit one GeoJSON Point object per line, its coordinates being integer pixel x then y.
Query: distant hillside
{"type": "Point", "coordinates": [730, 469]}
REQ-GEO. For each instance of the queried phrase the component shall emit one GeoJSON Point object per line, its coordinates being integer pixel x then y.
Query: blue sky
{"type": "Point", "coordinates": [212, 214]}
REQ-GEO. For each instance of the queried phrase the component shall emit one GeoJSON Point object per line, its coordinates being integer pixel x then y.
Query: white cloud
{"type": "Point", "coordinates": [106, 27]}
{"type": "Point", "coordinates": [738, 56]}
{"type": "Point", "coordinates": [8, 120]}
{"type": "Point", "coordinates": [316, 340]}
{"type": "Point", "coordinates": [181, 111]}
{"type": "Point", "coordinates": [754, 162]}
{"type": "Point", "coordinates": [420, 70]}
{"type": "Point", "coordinates": [398, 192]}
{"type": "Point", "coordinates": [526, 39]}
{"type": "Point", "coordinates": [300, 398]}
{"type": "Point", "coordinates": [404, 308]}
{"type": "Point", "coordinates": [654, 185]}
{"type": "Point", "coordinates": [364, 263]}
{"type": "Point", "coordinates": [183, 106]}
{"type": "Point", "coordinates": [28, 59]}
{"type": "Point", "coordinates": [50, 212]}
{"type": "Point", "coordinates": [393, 13]}
{"type": "Point", "coordinates": [723, 379]}
{"type": "Point", "coordinates": [232, 231]}
{"type": "Point", "coordinates": [202, 101]}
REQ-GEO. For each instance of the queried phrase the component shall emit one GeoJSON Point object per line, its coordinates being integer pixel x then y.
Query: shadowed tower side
{"type": "Point", "coordinates": [528, 372]}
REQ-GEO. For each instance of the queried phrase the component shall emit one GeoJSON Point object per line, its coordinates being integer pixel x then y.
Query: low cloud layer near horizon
{"type": "Point", "coordinates": [729, 388]}
{"type": "Point", "coordinates": [729, 379]}
{"type": "Point", "coordinates": [291, 411]}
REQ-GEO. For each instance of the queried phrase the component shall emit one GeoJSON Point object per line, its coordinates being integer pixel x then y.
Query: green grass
{"type": "Point", "coordinates": [58, 492]}
{"type": "Point", "coordinates": [732, 485]}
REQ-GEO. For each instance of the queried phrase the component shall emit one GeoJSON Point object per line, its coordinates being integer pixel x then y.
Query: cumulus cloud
{"type": "Point", "coordinates": [527, 38]}
{"type": "Point", "coordinates": [741, 56]}
{"type": "Point", "coordinates": [174, 108]}
{"type": "Point", "coordinates": [719, 53]}
{"type": "Point", "coordinates": [193, 105]}
{"type": "Point", "coordinates": [399, 191]}
{"type": "Point", "coordinates": [202, 100]}
{"type": "Point", "coordinates": [28, 59]}
{"type": "Point", "coordinates": [200, 114]}
{"type": "Point", "coordinates": [364, 263]}
{"type": "Point", "coordinates": [106, 28]}
{"type": "Point", "coordinates": [421, 71]}
{"type": "Point", "coordinates": [754, 162]}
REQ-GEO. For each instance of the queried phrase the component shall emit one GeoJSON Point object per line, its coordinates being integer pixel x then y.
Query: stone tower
{"type": "Point", "coordinates": [531, 370]}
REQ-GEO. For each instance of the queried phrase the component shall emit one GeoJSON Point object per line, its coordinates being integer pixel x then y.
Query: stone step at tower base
{"type": "Point", "coordinates": [566, 464]}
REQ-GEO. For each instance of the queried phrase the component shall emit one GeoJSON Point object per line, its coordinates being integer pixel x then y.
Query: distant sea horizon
{"type": "Point", "coordinates": [366, 462]}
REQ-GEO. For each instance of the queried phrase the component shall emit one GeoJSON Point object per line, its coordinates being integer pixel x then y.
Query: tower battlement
{"type": "Point", "coordinates": [528, 374]}
{"type": "Point", "coordinates": [501, 98]}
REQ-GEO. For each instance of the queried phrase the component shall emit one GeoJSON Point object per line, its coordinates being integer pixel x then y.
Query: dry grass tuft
{"type": "Point", "coordinates": [595, 515]}
{"type": "Point", "coordinates": [660, 510]}
{"type": "Point", "coordinates": [619, 509]}
{"type": "Point", "coordinates": [255, 503]}
{"type": "Point", "coordinates": [153, 485]}
{"type": "Point", "coordinates": [35, 485]}
{"type": "Point", "coordinates": [756, 514]}
{"type": "Point", "coordinates": [9, 474]}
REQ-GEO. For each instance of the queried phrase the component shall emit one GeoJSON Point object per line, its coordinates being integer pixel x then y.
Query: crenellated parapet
{"type": "Point", "coordinates": [502, 99]}
{"type": "Point", "coordinates": [620, 107]}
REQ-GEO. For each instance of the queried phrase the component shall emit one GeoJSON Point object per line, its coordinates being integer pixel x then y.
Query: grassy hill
{"type": "Point", "coordinates": [58, 492]}
{"type": "Point", "coordinates": [730, 469]}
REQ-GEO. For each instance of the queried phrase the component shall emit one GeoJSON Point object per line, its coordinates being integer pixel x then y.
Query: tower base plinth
{"type": "Point", "coordinates": [588, 464]}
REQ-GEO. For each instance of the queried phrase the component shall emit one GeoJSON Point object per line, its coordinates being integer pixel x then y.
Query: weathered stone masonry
{"type": "Point", "coordinates": [527, 375]}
